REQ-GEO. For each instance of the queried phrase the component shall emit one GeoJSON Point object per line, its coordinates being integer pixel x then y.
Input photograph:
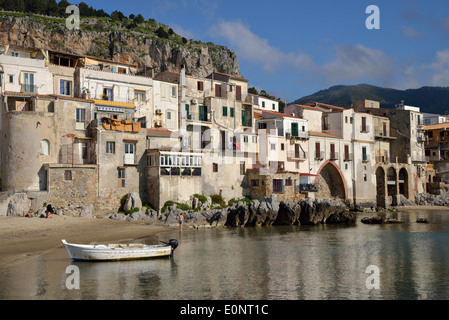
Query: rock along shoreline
{"type": "Point", "coordinates": [264, 212]}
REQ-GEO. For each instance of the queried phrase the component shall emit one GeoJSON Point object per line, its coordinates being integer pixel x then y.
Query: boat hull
{"type": "Point", "coordinates": [79, 252]}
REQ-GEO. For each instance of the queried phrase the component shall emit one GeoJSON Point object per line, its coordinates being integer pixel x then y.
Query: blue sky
{"type": "Point", "coordinates": [293, 48]}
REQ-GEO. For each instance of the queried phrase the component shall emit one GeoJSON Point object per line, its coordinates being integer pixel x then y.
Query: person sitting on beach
{"type": "Point", "coordinates": [49, 212]}
{"type": "Point", "coordinates": [28, 214]}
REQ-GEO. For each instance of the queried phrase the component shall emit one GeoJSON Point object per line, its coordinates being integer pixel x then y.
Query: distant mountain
{"type": "Point", "coordinates": [429, 99]}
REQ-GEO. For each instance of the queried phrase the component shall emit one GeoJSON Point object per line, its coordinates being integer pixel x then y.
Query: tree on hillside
{"type": "Point", "coordinates": [139, 19]}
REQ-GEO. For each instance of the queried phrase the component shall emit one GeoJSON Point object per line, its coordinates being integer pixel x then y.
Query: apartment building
{"type": "Point", "coordinates": [265, 103]}
{"type": "Point", "coordinates": [282, 155]}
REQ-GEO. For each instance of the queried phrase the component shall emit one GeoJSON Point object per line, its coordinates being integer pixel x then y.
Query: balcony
{"type": "Point", "coordinates": [28, 88]}
{"type": "Point", "coordinates": [422, 139]}
{"type": "Point", "coordinates": [319, 155]}
{"type": "Point", "coordinates": [348, 157]}
{"type": "Point", "coordinates": [296, 135]}
{"type": "Point", "coordinates": [364, 129]}
{"type": "Point", "coordinates": [383, 159]}
{"type": "Point", "coordinates": [292, 154]}
{"type": "Point", "coordinates": [365, 158]}
{"type": "Point", "coordinates": [333, 156]}
{"type": "Point", "coordinates": [307, 188]}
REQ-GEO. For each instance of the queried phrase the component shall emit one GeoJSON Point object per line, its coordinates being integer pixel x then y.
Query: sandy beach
{"type": "Point", "coordinates": [22, 238]}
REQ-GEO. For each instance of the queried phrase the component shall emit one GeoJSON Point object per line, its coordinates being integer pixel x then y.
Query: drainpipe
{"type": "Point", "coordinates": [98, 157]}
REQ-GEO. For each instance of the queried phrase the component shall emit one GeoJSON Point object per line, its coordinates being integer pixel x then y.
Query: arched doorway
{"type": "Point", "coordinates": [392, 186]}
{"type": "Point", "coordinates": [330, 182]}
{"type": "Point", "coordinates": [403, 183]}
{"type": "Point", "coordinates": [380, 188]}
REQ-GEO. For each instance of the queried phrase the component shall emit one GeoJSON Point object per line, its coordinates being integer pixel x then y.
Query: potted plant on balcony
{"type": "Point", "coordinates": [85, 93]}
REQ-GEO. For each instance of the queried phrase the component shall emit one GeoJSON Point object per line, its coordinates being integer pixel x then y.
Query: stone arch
{"type": "Point", "coordinates": [381, 187]}
{"type": "Point", "coordinates": [330, 181]}
{"type": "Point", "coordinates": [392, 185]}
{"type": "Point", "coordinates": [403, 183]}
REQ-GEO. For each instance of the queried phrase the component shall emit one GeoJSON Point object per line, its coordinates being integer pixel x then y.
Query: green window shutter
{"type": "Point", "coordinates": [294, 129]}
{"type": "Point", "coordinates": [244, 118]}
{"type": "Point", "coordinates": [187, 112]}
{"type": "Point", "coordinates": [232, 112]}
{"type": "Point", "coordinates": [225, 111]}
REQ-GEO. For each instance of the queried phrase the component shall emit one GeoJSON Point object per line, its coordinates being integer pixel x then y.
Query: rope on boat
{"type": "Point", "coordinates": [14, 263]}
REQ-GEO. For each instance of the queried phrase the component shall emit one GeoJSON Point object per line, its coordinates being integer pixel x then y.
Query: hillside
{"type": "Point", "coordinates": [429, 99]}
{"type": "Point", "coordinates": [142, 42]}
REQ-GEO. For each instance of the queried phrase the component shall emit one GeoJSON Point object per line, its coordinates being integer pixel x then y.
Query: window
{"type": "Point", "coordinates": [294, 127]}
{"type": "Point", "coordinates": [245, 138]}
{"type": "Point", "coordinates": [65, 87]}
{"type": "Point", "coordinates": [188, 112]}
{"type": "Point", "coordinates": [262, 125]}
{"type": "Point", "coordinates": [278, 186]}
{"type": "Point", "coordinates": [364, 128]}
{"type": "Point", "coordinates": [274, 108]}
{"type": "Point", "coordinates": [68, 175]}
{"type": "Point", "coordinates": [215, 167]}
{"type": "Point", "coordinates": [273, 146]}
{"type": "Point", "coordinates": [225, 111]}
{"type": "Point", "coordinates": [173, 91]}
{"type": "Point", "coordinates": [121, 177]}
{"type": "Point", "coordinates": [107, 94]}
{"type": "Point", "coordinates": [218, 90]}
{"type": "Point", "coordinates": [289, 182]}
{"type": "Point", "coordinates": [130, 154]}
{"type": "Point", "coordinates": [28, 84]}
{"type": "Point", "coordinates": [282, 146]}
{"type": "Point", "coordinates": [80, 115]}
{"type": "Point", "coordinates": [84, 150]}
{"type": "Point", "coordinates": [139, 96]}
{"type": "Point", "coordinates": [45, 147]}
{"type": "Point", "coordinates": [232, 112]}
{"type": "Point", "coordinates": [242, 167]}
{"type": "Point", "coordinates": [254, 182]}
{"type": "Point", "coordinates": [1, 80]}
{"type": "Point", "coordinates": [200, 85]}
{"type": "Point", "coordinates": [238, 93]}
{"type": "Point", "coordinates": [317, 150]}
{"type": "Point", "coordinates": [110, 147]}
{"type": "Point", "coordinates": [254, 139]}
{"type": "Point", "coordinates": [11, 78]}
{"type": "Point", "coordinates": [263, 104]}
{"type": "Point", "coordinates": [364, 155]}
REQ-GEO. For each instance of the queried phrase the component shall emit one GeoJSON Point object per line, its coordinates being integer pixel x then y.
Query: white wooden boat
{"type": "Point", "coordinates": [113, 252]}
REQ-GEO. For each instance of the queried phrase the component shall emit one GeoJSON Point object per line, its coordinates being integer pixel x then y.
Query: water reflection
{"type": "Point", "coordinates": [294, 262]}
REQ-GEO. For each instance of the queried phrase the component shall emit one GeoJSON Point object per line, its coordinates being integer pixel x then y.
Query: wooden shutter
{"type": "Point", "coordinates": [238, 93]}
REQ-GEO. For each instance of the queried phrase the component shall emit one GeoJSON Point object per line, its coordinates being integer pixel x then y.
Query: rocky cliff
{"type": "Point", "coordinates": [143, 44]}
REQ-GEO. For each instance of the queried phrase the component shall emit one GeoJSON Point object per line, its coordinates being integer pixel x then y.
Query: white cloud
{"type": "Point", "coordinates": [250, 46]}
{"type": "Point", "coordinates": [359, 63]}
{"type": "Point", "coordinates": [412, 33]}
{"type": "Point", "coordinates": [181, 31]}
{"type": "Point", "coordinates": [440, 68]}
{"type": "Point", "coordinates": [351, 64]}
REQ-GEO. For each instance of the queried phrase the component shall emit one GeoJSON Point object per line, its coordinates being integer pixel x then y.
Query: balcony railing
{"type": "Point", "coordinates": [383, 159]}
{"type": "Point", "coordinates": [319, 155]}
{"type": "Point", "coordinates": [292, 154]}
{"type": "Point", "coordinates": [299, 134]}
{"type": "Point", "coordinates": [365, 158]}
{"type": "Point", "coordinates": [364, 129]}
{"type": "Point", "coordinates": [348, 157]}
{"type": "Point", "coordinates": [308, 188]}
{"type": "Point", "coordinates": [28, 88]}
{"type": "Point", "coordinates": [333, 155]}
